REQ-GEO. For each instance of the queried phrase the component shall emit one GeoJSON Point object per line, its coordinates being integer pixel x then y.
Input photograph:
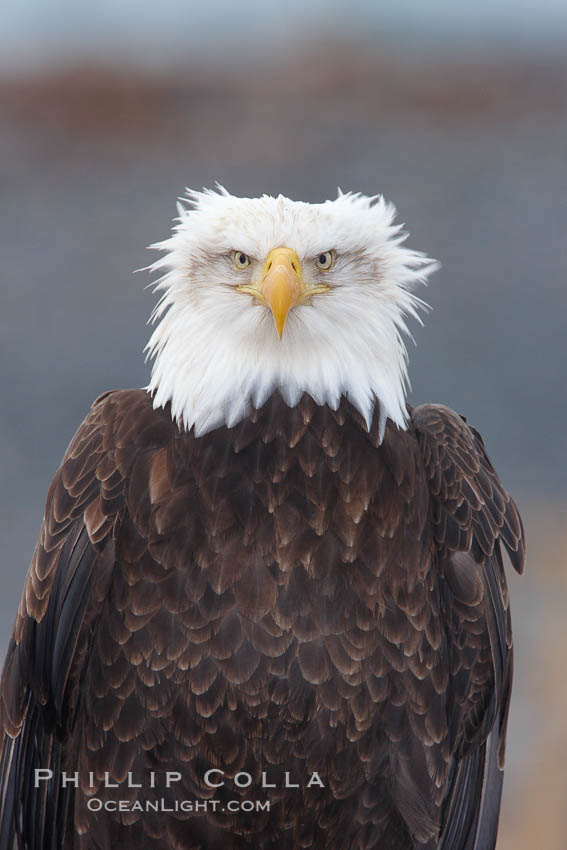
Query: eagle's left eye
{"type": "Point", "coordinates": [240, 259]}
{"type": "Point", "coordinates": [325, 260]}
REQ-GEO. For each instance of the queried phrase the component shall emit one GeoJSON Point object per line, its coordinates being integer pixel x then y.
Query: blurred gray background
{"type": "Point", "coordinates": [458, 114]}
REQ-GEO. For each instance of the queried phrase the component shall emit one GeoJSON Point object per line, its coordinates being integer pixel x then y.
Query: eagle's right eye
{"type": "Point", "coordinates": [240, 260]}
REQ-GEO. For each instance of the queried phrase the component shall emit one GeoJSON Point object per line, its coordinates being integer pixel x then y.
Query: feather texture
{"type": "Point", "coordinates": [297, 593]}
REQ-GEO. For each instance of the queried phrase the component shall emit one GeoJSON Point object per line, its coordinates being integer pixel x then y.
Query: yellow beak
{"type": "Point", "coordinates": [282, 284]}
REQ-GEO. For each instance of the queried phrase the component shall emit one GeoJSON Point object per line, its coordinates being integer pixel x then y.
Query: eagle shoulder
{"type": "Point", "coordinates": [472, 515]}
{"type": "Point", "coordinates": [67, 582]}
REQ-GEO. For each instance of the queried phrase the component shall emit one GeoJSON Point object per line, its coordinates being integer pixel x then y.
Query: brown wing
{"type": "Point", "coordinates": [472, 515]}
{"type": "Point", "coordinates": [66, 583]}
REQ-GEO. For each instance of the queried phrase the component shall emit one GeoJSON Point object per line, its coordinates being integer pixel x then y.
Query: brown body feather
{"type": "Point", "coordinates": [289, 595]}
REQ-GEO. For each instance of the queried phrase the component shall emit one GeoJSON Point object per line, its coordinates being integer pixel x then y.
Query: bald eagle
{"type": "Point", "coordinates": [267, 607]}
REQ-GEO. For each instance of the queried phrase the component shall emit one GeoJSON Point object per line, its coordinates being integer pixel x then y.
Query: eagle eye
{"type": "Point", "coordinates": [325, 261]}
{"type": "Point", "coordinates": [240, 260]}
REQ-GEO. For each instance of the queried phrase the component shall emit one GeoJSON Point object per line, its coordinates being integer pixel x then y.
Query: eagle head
{"type": "Point", "coordinates": [267, 294]}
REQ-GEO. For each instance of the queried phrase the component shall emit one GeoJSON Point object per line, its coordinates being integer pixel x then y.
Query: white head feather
{"type": "Point", "coordinates": [217, 353]}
